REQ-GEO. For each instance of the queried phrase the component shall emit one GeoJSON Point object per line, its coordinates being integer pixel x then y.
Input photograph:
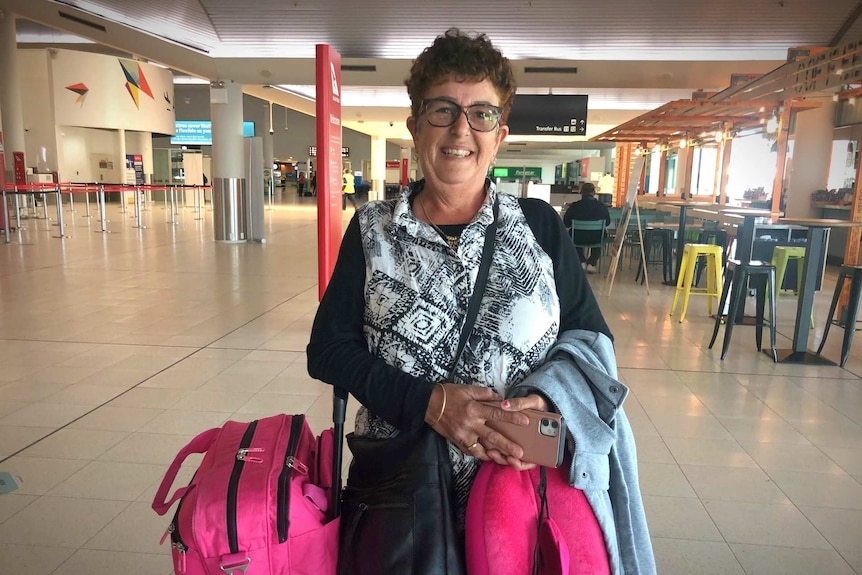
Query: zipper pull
{"type": "Point", "coordinates": [243, 454]}
{"type": "Point", "coordinates": [181, 550]}
{"type": "Point", "coordinates": [168, 531]}
{"type": "Point", "coordinates": [293, 463]}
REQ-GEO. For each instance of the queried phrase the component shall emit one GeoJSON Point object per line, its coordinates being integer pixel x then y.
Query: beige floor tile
{"type": "Point", "coordinates": [841, 527]}
{"type": "Point", "coordinates": [849, 459]}
{"type": "Point", "coordinates": [84, 394]}
{"type": "Point", "coordinates": [237, 382]}
{"type": "Point", "coordinates": [280, 403]}
{"type": "Point", "coordinates": [60, 521]}
{"type": "Point", "coordinates": [114, 377]}
{"type": "Point", "coordinates": [75, 444]}
{"type": "Point", "coordinates": [45, 415]}
{"type": "Point", "coordinates": [38, 475]}
{"type": "Point", "coordinates": [108, 418]}
{"type": "Point", "coordinates": [16, 438]}
{"type": "Point", "coordinates": [733, 484]}
{"type": "Point", "coordinates": [12, 503]}
{"type": "Point", "coordinates": [177, 379]}
{"type": "Point", "coordinates": [679, 518]}
{"type": "Point", "coordinates": [761, 430]}
{"type": "Point", "coordinates": [790, 457]}
{"type": "Point", "coordinates": [652, 449]}
{"type": "Point", "coordinates": [819, 489]}
{"type": "Point", "coordinates": [154, 398]}
{"type": "Point", "coordinates": [147, 448]}
{"type": "Point", "coordinates": [24, 391]}
{"type": "Point", "coordinates": [700, 451]}
{"type": "Point", "coordinates": [176, 422]}
{"type": "Point", "coordinates": [771, 560]}
{"type": "Point", "coordinates": [212, 401]}
{"type": "Point", "coordinates": [854, 559]}
{"type": "Point", "coordinates": [137, 529]}
{"type": "Point", "coordinates": [663, 479]}
{"type": "Point", "coordinates": [692, 426]}
{"type": "Point", "coordinates": [32, 559]}
{"type": "Point", "coordinates": [94, 562]}
{"type": "Point", "coordinates": [686, 557]}
{"type": "Point", "coordinates": [7, 407]}
{"type": "Point", "coordinates": [764, 524]}
{"type": "Point", "coordinates": [112, 480]}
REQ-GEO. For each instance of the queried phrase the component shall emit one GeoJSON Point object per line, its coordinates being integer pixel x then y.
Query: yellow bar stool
{"type": "Point", "coordinates": [780, 256]}
{"type": "Point", "coordinates": [690, 255]}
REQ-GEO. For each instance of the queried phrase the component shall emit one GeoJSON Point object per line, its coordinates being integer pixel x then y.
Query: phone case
{"type": "Point", "coordinates": [542, 440]}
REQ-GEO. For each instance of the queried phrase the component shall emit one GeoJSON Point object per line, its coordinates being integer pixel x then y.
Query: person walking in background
{"type": "Point", "coordinates": [348, 189]}
{"type": "Point", "coordinates": [300, 184]}
{"type": "Point", "coordinates": [588, 208]}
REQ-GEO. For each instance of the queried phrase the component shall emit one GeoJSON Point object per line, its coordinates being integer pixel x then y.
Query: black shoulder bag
{"type": "Point", "coordinates": [398, 509]}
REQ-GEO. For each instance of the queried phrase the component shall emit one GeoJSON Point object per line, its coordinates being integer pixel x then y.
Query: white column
{"type": "Point", "coordinates": [812, 151]}
{"type": "Point", "coordinates": [10, 94]}
{"type": "Point", "coordinates": [228, 165]}
{"type": "Point", "coordinates": [268, 154]}
{"type": "Point", "coordinates": [378, 168]}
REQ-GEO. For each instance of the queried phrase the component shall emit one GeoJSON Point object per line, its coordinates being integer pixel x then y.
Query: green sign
{"type": "Point", "coordinates": [517, 173]}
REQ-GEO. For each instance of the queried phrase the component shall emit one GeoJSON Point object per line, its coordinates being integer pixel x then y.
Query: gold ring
{"type": "Point", "coordinates": [472, 447]}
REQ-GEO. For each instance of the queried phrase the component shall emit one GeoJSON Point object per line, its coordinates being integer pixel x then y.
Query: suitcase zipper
{"type": "Point", "coordinates": [176, 542]}
{"type": "Point", "coordinates": [290, 463]}
{"type": "Point", "coordinates": [233, 485]}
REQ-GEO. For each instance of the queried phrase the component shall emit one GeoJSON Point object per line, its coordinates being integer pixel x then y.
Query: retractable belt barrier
{"type": "Point", "coordinates": [142, 195]}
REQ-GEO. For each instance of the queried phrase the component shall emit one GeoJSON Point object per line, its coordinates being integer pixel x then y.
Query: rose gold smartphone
{"type": "Point", "coordinates": [543, 439]}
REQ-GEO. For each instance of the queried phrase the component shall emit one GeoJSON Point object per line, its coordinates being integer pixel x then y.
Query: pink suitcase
{"type": "Point", "coordinates": [261, 502]}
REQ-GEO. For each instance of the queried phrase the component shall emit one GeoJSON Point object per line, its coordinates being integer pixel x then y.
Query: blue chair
{"type": "Point", "coordinates": [589, 226]}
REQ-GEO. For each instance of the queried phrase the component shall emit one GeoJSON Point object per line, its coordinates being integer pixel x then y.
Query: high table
{"type": "Point", "coordinates": [817, 233]}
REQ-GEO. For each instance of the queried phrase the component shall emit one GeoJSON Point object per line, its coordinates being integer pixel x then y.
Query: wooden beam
{"type": "Point", "coordinates": [781, 162]}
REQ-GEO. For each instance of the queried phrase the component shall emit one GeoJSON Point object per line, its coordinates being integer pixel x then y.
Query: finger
{"type": "Point", "coordinates": [521, 403]}
{"type": "Point", "coordinates": [519, 465]}
{"type": "Point", "coordinates": [479, 393]}
{"type": "Point", "coordinates": [497, 457]}
{"type": "Point", "coordinates": [496, 440]}
{"type": "Point", "coordinates": [496, 413]}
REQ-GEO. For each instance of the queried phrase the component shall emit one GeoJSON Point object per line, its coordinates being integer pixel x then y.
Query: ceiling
{"type": "Point", "coordinates": [630, 55]}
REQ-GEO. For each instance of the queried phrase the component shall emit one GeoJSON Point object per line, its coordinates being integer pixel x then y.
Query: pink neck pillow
{"type": "Point", "coordinates": [502, 526]}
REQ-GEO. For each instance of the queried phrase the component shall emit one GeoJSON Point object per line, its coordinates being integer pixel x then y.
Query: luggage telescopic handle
{"type": "Point", "coordinates": [339, 409]}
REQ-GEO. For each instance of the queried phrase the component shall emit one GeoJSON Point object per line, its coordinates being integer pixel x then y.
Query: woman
{"type": "Point", "coordinates": [389, 323]}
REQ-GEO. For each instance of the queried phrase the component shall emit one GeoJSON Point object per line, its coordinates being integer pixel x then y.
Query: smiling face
{"type": "Point", "coordinates": [457, 158]}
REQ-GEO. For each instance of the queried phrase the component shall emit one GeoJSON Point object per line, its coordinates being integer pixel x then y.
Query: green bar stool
{"type": "Point", "coordinates": [780, 256]}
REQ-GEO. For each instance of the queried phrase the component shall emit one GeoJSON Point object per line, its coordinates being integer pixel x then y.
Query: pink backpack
{"type": "Point", "coordinates": [258, 503]}
{"type": "Point", "coordinates": [519, 523]}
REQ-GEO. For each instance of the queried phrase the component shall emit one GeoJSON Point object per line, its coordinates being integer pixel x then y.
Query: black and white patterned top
{"type": "Point", "coordinates": [388, 326]}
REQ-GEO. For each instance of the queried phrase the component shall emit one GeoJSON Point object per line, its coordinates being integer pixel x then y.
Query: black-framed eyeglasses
{"type": "Point", "coordinates": [443, 113]}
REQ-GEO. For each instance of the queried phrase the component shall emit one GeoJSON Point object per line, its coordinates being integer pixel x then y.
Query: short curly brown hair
{"type": "Point", "coordinates": [461, 56]}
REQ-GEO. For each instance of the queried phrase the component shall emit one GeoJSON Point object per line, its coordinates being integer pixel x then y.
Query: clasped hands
{"type": "Point", "coordinates": [456, 412]}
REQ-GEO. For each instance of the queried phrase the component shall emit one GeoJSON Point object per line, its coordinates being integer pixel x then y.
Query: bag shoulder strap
{"type": "Point", "coordinates": [479, 289]}
{"type": "Point", "coordinates": [199, 444]}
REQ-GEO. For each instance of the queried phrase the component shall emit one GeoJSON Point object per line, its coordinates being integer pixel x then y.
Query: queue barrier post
{"type": "Point", "coordinates": [17, 210]}
{"type": "Point", "coordinates": [60, 222]}
{"type": "Point", "coordinates": [71, 202]}
{"type": "Point", "coordinates": [140, 224]}
{"type": "Point", "coordinates": [173, 219]}
{"type": "Point", "coordinates": [5, 214]}
{"type": "Point", "coordinates": [102, 216]}
{"type": "Point", "coordinates": [45, 204]}
{"type": "Point", "coordinates": [199, 205]}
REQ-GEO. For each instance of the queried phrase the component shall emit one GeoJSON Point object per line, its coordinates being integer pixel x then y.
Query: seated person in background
{"type": "Point", "coordinates": [588, 208]}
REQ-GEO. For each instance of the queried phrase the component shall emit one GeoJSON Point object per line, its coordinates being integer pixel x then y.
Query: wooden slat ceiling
{"type": "Point", "coordinates": [695, 119]}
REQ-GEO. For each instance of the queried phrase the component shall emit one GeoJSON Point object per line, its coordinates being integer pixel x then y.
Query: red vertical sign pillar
{"type": "Point", "coordinates": [405, 175]}
{"type": "Point", "coordinates": [4, 209]}
{"type": "Point", "coordinates": [328, 75]}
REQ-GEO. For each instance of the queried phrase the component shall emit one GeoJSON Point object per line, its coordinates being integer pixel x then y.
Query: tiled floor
{"type": "Point", "coordinates": [116, 348]}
